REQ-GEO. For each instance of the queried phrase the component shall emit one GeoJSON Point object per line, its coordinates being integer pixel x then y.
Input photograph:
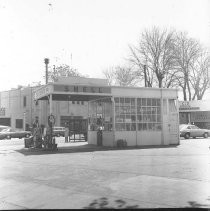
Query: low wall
{"type": "Point", "coordinates": [92, 137]}
{"type": "Point", "coordinates": [145, 138]}
{"type": "Point", "coordinates": [108, 138]}
{"type": "Point", "coordinates": [129, 136]}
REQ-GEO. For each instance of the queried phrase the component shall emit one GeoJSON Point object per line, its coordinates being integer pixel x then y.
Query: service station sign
{"type": "Point", "coordinates": [43, 91]}
{"type": "Point", "coordinates": [187, 106]}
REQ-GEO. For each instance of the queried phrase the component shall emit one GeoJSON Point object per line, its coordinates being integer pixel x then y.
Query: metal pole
{"type": "Point", "coordinates": [51, 106]}
{"type": "Point", "coordinates": [51, 126]}
{"type": "Point", "coordinates": [46, 61]}
{"type": "Point", "coordinates": [162, 123]}
{"type": "Point", "coordinates": [145, 76]}
{"type": "Point", "coordinates": [113, 119]}
{"type": "Point", "coordinates": [24, 121]}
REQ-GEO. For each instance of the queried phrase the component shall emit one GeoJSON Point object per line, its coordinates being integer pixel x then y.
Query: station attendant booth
{"type": "Point", "coordinates": [140, 116]}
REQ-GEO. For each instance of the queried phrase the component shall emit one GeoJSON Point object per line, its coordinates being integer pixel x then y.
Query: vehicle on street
{"type": "Point", "coordinates": [11, 133]}
{"type": "Point", "coordinates": [58, 131]}
{"type": "Point", "coordinates": [3, 127]}
{"type": "Point", "coordinates": [187, 131]}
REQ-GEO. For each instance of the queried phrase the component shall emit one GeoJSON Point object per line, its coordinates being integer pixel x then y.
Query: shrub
{"type": "Point", "coordinates": [121, 143]}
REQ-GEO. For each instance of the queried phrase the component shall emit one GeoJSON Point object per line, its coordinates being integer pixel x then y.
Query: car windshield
{"type": "Point", "coordinates": [2, 128]}
{"type": "Point", "coordinates": [182, 127]}
{"type": "Point", "coordinates": [5, 130]}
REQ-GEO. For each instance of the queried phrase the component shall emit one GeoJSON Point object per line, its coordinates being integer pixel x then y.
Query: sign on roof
{"type": "Point", "coordinates": [187, 105]}
{"type": "Point", "coordinates": [43, 91]}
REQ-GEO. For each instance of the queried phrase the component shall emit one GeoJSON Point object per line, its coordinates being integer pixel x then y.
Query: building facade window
{"type": "Point", "coordinates": [76, 88]}
{"type": "Point", "coordinates": [125, 114]}
{"type": "Point", "coordinates": [145, 114]}
{"type": "Point", "coordinates": [148, 114]}
{"type": "Point", "coordinates": [100, 114]}
{"type": "Point", "coordinates": [84, 89]}
{"type": "Point", "coordinates": [24, 101]}
{"type": "Point", "coordinates": [19, 123]}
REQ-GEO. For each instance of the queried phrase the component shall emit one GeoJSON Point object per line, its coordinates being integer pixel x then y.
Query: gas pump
{"type": "Point", "coordinates": [51, 123]}
{"type": "Point", "coordinates": [99, 132]}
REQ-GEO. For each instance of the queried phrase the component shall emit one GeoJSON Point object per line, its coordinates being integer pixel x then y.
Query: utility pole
{"type": "Point", "coordinates": [145, 75]}
{"type": "Point", "coordinates": [46, 61]}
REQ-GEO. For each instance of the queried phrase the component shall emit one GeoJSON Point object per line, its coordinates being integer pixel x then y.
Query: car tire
{"type": "Point", "coordinates": [8, 137]}
{"type": "Point", "coordinates": [205, 135]}
{"type": "Point", "coordinates": [187, 136]}
{"type": "Point", "coordinates": [194, 137]}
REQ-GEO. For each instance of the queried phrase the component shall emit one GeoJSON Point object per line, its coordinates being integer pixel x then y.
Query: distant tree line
{"type": "Point", "coordinates": [165, 59]}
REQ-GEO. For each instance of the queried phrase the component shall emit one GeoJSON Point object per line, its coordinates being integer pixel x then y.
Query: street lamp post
{"type": "Point", "coordinates": [24, 121]}
{"type": "Point", "coordinates": [46, 61]}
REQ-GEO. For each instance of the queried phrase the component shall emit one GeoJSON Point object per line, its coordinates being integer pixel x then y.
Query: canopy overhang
{"type": "Point", "coordinates": [70, 93]}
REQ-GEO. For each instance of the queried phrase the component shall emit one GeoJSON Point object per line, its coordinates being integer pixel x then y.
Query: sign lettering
{"type": "Point", "coordinates": [2, 111]}
{"type": "Point", "coordinates": [42, 92]}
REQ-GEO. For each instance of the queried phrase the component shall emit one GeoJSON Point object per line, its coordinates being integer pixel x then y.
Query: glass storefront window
{"type": "Point", "coordinates": [133, 101]}
{"type": "Point", "coordinates": [125, 114]}
{"type": "Point", "coordinates": [116, 100]}
{"type": "Point", "coordinates": [139, 102]}
{"type": "Point", "coordinates": [100, 115]}
{"type": "Point", "coordinates": [147, 114]}
{"type": "Point", "coordinates": [148, 110]}
{"type": "Point", "coordinates": [149, 101]}
{"type": "Point", "coordinates": [144, 102]}
{"type": "Point", "coordinates": [133, 127]}
{"type": "Point", "coordinates": [121, 101]}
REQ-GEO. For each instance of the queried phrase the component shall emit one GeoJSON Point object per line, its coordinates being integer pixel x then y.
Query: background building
{"type": "Point", "coordinates": [18, 108]}
{"type": "Point", "coordinates": [196, 112]}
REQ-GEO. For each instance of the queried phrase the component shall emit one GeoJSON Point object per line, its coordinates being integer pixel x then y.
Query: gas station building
{"type": "Point", "coordinates": [141, 116]}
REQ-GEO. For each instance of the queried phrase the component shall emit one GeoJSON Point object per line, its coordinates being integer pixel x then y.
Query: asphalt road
{"type": "Point", "coordinates": [82, 176]}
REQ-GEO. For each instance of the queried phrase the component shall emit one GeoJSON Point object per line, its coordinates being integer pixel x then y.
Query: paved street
{"type": "Point", "coordinates": [81, 176]}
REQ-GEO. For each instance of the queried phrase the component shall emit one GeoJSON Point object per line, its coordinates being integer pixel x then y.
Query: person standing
{"type": "Point", "coordinates": [66, 133]}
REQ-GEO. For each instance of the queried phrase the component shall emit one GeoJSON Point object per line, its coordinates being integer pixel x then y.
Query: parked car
{"type": "Point", "coordinates": [2, 127]}
{"type": "Point", "coordinates": [58, 131]}
{"type": "Point", "coordinates": [11, 133]}
{"type": "Point", "coordinates": [188, 131]}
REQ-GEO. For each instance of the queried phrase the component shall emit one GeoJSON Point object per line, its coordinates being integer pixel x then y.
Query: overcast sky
{"type": "Point", "coordinates": [95, 32]}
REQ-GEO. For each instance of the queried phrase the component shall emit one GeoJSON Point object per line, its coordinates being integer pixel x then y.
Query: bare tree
{"type": "Point", "coordinates": [186, 52]}
{"type": "Point", "coordinates": [63, 70]}
{"type": "Point", "coordinates": [125, 76]}
{"type": "Point", "coordinates": [155, 49]}
{"type": "Point", "coordinates": [144, 72]}
{"type": "Point", "coordinates": [199, 77]}
{"type": "Point", "coordinates": [121, 75]}
{"type": "Point", "coordinates": [109, 73]}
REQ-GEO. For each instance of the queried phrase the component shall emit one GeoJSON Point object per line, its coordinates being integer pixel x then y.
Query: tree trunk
{"type": "Point", "coordinates": [184, 93]}
{"type": "Point", "coordinates": [189, 91]}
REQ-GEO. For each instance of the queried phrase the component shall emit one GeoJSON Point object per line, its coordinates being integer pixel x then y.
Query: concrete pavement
{"type": "Point", "coordinates": [80, 176]}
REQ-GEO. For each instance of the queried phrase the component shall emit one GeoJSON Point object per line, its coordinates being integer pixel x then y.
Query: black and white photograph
{"type": "Point", "coordinates": [104, 104]}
